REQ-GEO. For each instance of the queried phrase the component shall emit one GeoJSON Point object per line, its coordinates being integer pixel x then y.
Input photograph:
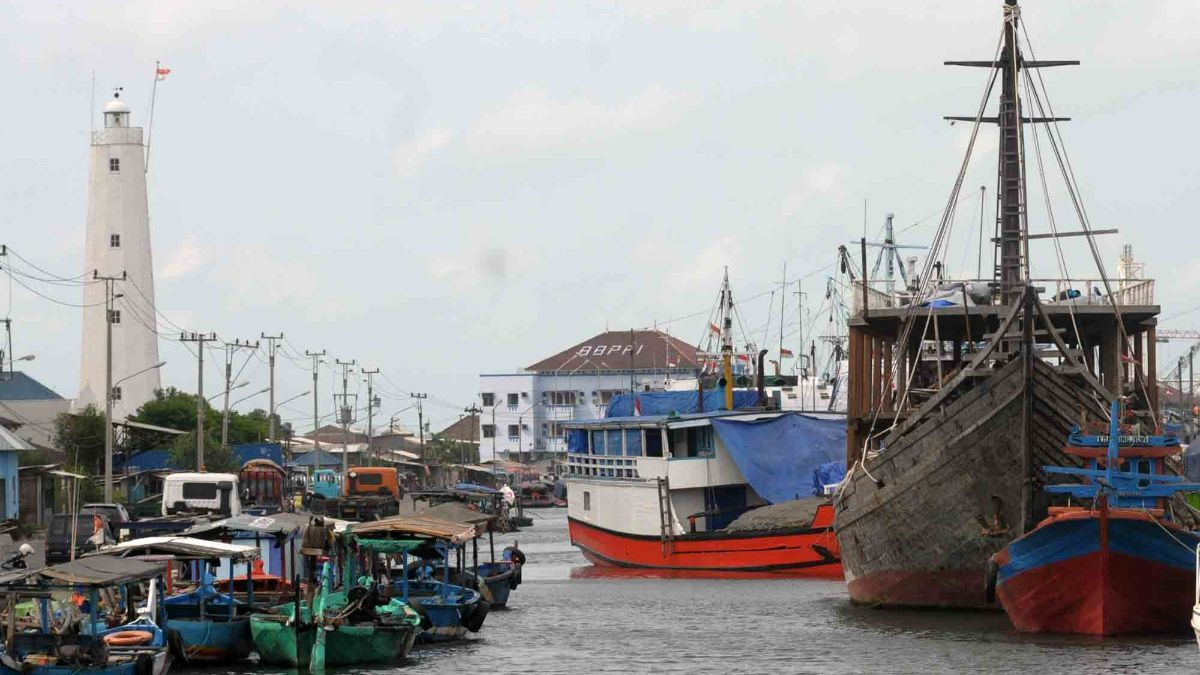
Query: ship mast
{"type": "Point", "coordinates": [1012, 245]}
{"type": "Point", "coordinates": [727, 340]}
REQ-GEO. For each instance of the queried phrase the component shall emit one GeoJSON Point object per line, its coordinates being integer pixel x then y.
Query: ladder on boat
{"type": "Point", "coordinates": [666, 530]}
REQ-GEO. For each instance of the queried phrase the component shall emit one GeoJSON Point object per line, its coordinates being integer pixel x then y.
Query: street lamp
{"type": "Point", "coordinates": [520, 432]}
{"type": "Point", "coordinates": [225, 416]}
{"type": "Point", "coordinates": [250, 396]}
{"type": "Point", "coordinates": [108, 432]}
{"type": "Point", "coordinates": [239, 385]}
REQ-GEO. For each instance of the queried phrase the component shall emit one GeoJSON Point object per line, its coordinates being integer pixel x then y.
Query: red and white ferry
{"type": "Point", "coordinates": [724, 491]}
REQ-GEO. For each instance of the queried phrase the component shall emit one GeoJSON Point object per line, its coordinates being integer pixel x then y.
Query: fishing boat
{"type": "Point", "coordinates": [495, 579]}
{"type": "Point", "coordinates": [419, 551]}
{"type": "Point", "coordinates": [213, 627]}
{"type": "Point", "coordinates": [1116, 565]}
{"type": "Point", "coordinates": [355, 626]}
{"type": "Point", "coordinates": [264, 582]}
{"type": "Point", "coordinates": [86, 619]}
{"type": "Point", "coordinates": [961, 390]}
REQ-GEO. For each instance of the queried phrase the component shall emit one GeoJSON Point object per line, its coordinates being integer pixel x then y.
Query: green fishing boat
{"type": "Point", "coordinates": [342, 628]}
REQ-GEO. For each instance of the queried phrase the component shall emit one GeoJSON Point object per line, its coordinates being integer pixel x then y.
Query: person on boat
{"type": "Point", "coordinates": [507, 494]}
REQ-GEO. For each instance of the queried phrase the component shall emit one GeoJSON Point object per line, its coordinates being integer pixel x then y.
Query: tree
{"type": "Point", "coordinates": [216, 458]}
{"type": "Point", "coordinates": [81, 435]}
{"type": "Point", "coordinates": [447, 450]}
{"type": "Point", "coordinates": [175, 409]}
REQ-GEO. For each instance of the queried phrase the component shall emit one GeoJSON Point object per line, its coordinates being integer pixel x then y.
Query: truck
{"type": "Point", "coordinates": [326, 484]}
{"type": "Point", "coordinates": [367, 493]}
{"type": "Point", "coordinates": [201, 493]}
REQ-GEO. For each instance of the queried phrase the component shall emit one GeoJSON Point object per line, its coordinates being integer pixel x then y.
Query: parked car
{"type": "Point", "coordinates": [91, 531]}
{"type": "Point", "coordinates": [117, 516]}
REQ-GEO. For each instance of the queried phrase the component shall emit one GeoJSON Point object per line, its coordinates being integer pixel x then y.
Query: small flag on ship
{"type": "Point", "coordinates": [161, 73]}
{"type": "Point", "coordinates": [714, 328]}
{"type": "Point", "coordinates": [785, 353]}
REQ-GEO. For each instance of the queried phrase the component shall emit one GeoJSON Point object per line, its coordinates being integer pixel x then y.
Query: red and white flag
{"type": "Point", "coordinates": [637, 406]}
{"type": "Point", "coordinates": [162, 73]}
{"type": "Point", "coordinates": [785, 353]}
{"type": "Point", "coordinates": [714, 328]}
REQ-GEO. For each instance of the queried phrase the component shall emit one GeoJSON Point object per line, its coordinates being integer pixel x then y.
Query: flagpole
{"type": "Point", "coordinates": [150, 122]}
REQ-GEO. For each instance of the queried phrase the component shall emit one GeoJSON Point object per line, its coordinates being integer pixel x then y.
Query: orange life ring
{"type": "Point", "coordinates": [128, 638]}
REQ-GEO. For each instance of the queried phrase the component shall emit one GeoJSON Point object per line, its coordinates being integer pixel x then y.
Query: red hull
{"type": "Point", "coordinates": [961, 588]}
{"type": "Point", "coordinates": [803, 552]}
{"type": "Point", "coordinates": [1100, 594]}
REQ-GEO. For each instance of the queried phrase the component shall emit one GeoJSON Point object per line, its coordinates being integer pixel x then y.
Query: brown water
{"type": "Point", "coordinates": [569, 617]}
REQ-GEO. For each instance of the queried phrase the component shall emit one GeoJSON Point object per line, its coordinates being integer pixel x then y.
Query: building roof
{"type": "Point", "coordinates": [465, 430]}
{"type": "Point", "coordinates": [11, 441]}
{"type": "Point", "coordinates": [620, 350]}
{"type": "Point", "coordinates": [18, 386]}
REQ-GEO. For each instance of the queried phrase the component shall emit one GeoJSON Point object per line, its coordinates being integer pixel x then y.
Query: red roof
{"type": "Point", "coordinates": [619, 350]}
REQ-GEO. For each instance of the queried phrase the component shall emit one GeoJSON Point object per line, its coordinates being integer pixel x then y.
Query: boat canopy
{"type": "Point", "coordinates": [781, 457]}
{"type": "Point", "coordinates": [678, 402]}
{"type": "Point", "coordinates": [425, 527]}
{"type": "Point", "coordinates": [657, 421]}
{"type": "Point", "coordinates": [180, 547]}
{"type": "Point", "coordinates": [93, 571]}
{"type": "Point", "coordinates": [456, 512]}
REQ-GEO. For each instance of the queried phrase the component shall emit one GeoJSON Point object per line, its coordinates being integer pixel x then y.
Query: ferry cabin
{"type": "Point", "coordinates": [620, 469]}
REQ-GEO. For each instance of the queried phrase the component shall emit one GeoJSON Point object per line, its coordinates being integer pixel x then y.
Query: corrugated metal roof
{"type": "Point", "coordinates": [18, 386]}
{"type": "Point", "coordinates": [11, 441]}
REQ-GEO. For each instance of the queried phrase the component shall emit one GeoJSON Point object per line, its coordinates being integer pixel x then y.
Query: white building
{"type": "Point", "coordinates": [118, 245]}
{"type": "Point", "coordinates": [523, 410]}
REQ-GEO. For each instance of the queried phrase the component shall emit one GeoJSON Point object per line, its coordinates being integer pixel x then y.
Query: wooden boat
{"type": "Point", "coordinates": [960, 391]}
{"type": "Point", "coordinates": [99, 633]}
{"type": "Point", "coordinates": [213, 627]}
{"type": "Point", "coordinates": [1115, 567]}
{"type": "Point", "coordinates": [1196, 607]}
{"type": "Point", "coordinates": [494, 579]}
{"type": "Point", "coordinates": [448, 610]}
{"type": "Point", "coordinates": [343, 628]}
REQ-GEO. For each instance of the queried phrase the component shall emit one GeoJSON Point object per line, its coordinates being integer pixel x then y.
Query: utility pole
{"type": "Point", "coordinates": [345, 415]}
{"type": "Point", "coordinates": [420, 420]}
{"type": "Point", "coordinates": [316, 362]}
{"type": "Point", "coordinates": [474, 411]}
{"type": "Point", "coordinates": [109, 299]}
{"type": "Point", "coordinates": [199, 339]}
{"type": "Point", "coordinates": [272, 347]}
{"type": "Point", "coordinates": [371, 405]}
{"type": "Point", "coordinates": [230, 349]}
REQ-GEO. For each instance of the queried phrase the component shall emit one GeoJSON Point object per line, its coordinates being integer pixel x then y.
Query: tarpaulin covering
{"type": "Point", "coordinates": [577, 440]}
{"type": "Point", "coordinates": [830, 473]}
{"type": "Point", "coordinates": [778, 455]}
{"type": "Point", "coordinates": [1191, 462]}
{"type": "Point", "coordinates": [679, 402]}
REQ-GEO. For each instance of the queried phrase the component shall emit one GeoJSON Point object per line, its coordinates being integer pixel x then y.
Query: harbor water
{"type": "Point", "coordinates": [570, 617]}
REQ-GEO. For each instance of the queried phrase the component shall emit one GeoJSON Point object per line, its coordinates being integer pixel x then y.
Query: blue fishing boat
{"type": "Point", "coordinates": [1113, 561]}
{"type": "Point", "coordinates": [213, 627]}
{"type": "Point", "coordinates": [494, 579]}
{"type": "Point", "coordinates": [86, 619]}
{"type": "Point", "coordinates": [416, 552]}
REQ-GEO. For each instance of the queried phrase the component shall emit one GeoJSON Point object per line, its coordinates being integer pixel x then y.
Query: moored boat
{"type": "Point", "coordinates": [98, 631]}
{"type": "Point", "coordinates": [1116, 566]}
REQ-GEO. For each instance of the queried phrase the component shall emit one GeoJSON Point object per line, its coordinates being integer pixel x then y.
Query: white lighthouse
{"type": "Point", "coordinates": [118, 245]}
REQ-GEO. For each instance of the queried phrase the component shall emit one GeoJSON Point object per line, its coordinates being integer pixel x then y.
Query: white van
{"type": "Point", "coordinates": [190, 492]}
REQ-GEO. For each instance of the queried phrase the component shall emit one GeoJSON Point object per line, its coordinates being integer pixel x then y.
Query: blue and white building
{"type": "Point", "coordinates": [523, 410]}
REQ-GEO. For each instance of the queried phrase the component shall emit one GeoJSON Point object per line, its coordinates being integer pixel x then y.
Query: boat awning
{"type": "Point", "coordinates": [102, 571]}
{"type": "Point", "coordinates": [416, 526]}
{"type": "Point", "coordinates": [279, 524]}
{"type": "Point", "coordinates": [456, 512]}
{"type": "Point", "coordinates": [179, 547]}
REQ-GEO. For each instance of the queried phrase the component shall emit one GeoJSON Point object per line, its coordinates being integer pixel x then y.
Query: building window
{"type": "Point", "coordinates": [587, 501]}
{"type": "Point", "coordinates": [513, 432]}
{"type": "Point", "coordinates": [114, 164]}
{"type": "Point", "coordinates": [607, 395]}
{"type": "Point", "coordinates": [114, 240]}
{"type": "Point", "coordinates": [513, 401]}
{"type": "Point", "coordinates": [116, 393]}
{"type": "Point", "coordinates": [489, 431]}
{"type": "Point", "coordinates": [489, 399]}
{"type": "Point", "coordinates": [562, 398]}
{"type": "Point", "coordinates": [114, 316]}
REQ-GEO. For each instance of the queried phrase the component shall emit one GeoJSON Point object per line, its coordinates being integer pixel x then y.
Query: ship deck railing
{"type": "Point", "coordinates": [1091, 292]}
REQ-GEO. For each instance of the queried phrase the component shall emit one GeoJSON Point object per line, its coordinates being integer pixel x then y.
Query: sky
{"type": "Point", "coordinates": [445, 189]}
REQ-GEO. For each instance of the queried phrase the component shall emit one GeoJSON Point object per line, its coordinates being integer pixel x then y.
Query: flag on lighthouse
{"type": "Point", "coordinates": [161, 73]}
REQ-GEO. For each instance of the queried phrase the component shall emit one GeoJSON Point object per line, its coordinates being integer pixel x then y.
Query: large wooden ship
{"type": "Point", "coordinates": [960, 391]}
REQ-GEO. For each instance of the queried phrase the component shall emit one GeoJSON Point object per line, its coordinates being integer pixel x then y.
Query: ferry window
{"type": "Point", "coordinates": [613, 442]}
{"type": "Point", "coordinates": [199, 490]}
{"type": "Point", "coordinates": [703, 442]}
{"type": "Point", "coordinates": [654, 443]}
{"type": "Point", "coordinates": [587, 501]}
{"type": "Point", "coordinates": [489, 399]}
{"type": "Point", "coordinates": [597, 442]}
{"type": "Point", "coordinates": [633, 442]}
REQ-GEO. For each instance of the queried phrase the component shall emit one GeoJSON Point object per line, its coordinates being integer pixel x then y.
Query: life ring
{"type": "Point", "coordinates": [128, 638]}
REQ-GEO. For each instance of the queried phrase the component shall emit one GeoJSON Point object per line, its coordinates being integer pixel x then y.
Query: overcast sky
{"type": "Point", "coordinates": [442, 189]}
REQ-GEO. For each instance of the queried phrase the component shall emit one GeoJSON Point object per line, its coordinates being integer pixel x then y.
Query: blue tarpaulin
{"type": "Point", "coordinates": [679, 402]}
{"type": "Point", "coordinates": [328, 460]}
{"type": "Point", "coordinates": [829, 473]}
{"type": "Point", "coordinates": [245, 452]}
{"type": "Point", "coordinates": [1191, 462]}
{"type": "Point", "coordinates": [780, 455]}
{"type": "Point", "coordinates": [577, 440]}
